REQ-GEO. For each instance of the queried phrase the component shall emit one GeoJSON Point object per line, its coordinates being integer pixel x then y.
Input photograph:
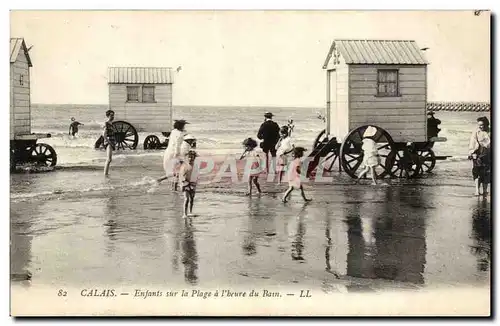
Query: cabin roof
{"type": "Point", "coordinates": [140, 75]}
{"type": "Point", "coordinates": [15, 46]}
{"type": "Point", "coordinates": [378, 52]}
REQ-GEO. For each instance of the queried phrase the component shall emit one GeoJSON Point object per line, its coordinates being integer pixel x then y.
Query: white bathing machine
{"type": "Point", "coordinates": [142, 100]}
{"type": "Point", "coordinates": [383, 84]}
{"type": "Point", "coordinates": [23, 143]}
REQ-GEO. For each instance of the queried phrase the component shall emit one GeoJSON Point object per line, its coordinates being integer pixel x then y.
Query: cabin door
{"type": "Point", "coordinates": [331, 104]}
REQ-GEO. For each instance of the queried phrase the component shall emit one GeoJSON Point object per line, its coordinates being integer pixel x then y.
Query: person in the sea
{"type": "Point", "coordinates": [432, 125]}
{"type": "Point", "coordinates": [284, 150]}
{"type": "Point", "coordinates": [187, 182]}
{"type": "Point", "coordinates": [251, 154]}
{"type": "Point", "coordinates": [480, 154]}
{"type": "Point", "coordinates": [269, 133]}
{"type": "Point", "coordinates": [370, 154]}
{"type": "Point", "coordinates": [108, 135]}
{"type": "Point", "coordinates": [73, 127]}
{"type": "Point", "coordinates": [294, 175]}
{"type": "Point", "coordinates": [173, 154]}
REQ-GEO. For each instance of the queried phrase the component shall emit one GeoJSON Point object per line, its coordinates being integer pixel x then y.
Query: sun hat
{"type": "Point", "coordinates": [370, 132]}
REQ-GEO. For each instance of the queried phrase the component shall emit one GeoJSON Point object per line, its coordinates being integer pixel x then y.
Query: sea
{"type": "Point", "coordinates": [218, 130]}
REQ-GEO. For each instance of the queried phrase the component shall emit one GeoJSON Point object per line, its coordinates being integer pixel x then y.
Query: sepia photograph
{"type": "Point", "coordinates": [250, 163]}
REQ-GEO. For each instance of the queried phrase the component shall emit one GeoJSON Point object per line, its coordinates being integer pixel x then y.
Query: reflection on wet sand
{"type": "Point", "coordinates": [20, 247]}
{"type": "Point", "coordinates": [189, 253]}
{"type": "Point", "coordinates": [111, 224]}
{"type": "Point", "coordinates": [384, 239]}
{"type": "Point", "coordinates": [249, 245]}
{"type": "Point", "coordinates": [481, 235]}
{"type": "Point", "coordinates": [298, 240]}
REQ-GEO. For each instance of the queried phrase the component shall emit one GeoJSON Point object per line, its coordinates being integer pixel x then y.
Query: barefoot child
{"type": "Point", "coordinates": [251, 154]}
{"type": "Point", "coordinates": [188, 184]}
{"type": "Point", "coordinates": [284, 149]}
{"type": "Point", "coordinates": [294, 173]}
{"type": "Point", "coordinates": [370, 154]}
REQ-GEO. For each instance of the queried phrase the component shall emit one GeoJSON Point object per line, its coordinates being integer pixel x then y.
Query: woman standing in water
{"type": "Point", "coordinates": [479, 152]}
{"type": "Point", "coordinates": [172, 155]}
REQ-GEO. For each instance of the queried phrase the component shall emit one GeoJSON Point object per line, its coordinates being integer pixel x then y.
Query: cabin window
{"type": "Point", "coordinates": [132, 93]}
{"type": "Point", "coordinates": [388, 82]}
{"type": "Point", "coordinates": [21, 81]}
{"type": "Point", "coordinates": [148, 93]}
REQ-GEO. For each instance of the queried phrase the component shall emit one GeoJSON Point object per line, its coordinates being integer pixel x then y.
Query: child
{"type": "Point", "coordinates": [187, 183]}
{"type": "Point", "coordinates": [284, 148]}
{"type": "Point", "coordinates": [370, 154]}
{"type": "Point", "coordinates": [73, 127]}
{"type": "Point", "coordinates": [108, 135]}
{"type": "Point", "coordinates": [250, 152]}
{"type": "Point", "coordinates": [294, 172]}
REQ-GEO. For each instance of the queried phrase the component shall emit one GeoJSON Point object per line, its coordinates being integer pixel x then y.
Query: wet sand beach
{"type": "Point", "coordinates": [84, 230]}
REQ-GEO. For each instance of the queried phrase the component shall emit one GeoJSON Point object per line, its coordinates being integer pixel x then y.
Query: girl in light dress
{"type": "Point", "coordinates": [370, 154]}
{"type": "Point", "coordinates": [294, 172]}
{"type": "Point", "coordinates": [284, 149]}
{"type": "Point", "coordinates": [250, 153]}
{"type": "Point", "coordinates": [173, 153]}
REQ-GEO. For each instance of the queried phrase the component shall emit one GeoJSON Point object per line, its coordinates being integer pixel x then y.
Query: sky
{"type": "Point", "coordinates": [247, 58]}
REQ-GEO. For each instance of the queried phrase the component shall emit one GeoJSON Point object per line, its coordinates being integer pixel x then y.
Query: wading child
{"type": "Point", "coordinates": [294, 172]}
{"type": "Point", "coordinates": [251, 154]}
{"type": "Point", "coordinates": [108, 135]}
{"type": "Point", "coordinates": [187, 182]}
{"type": "Point", "coordinates": [370, 154]}
{"type": "Point", "coordinates": [284, 149]}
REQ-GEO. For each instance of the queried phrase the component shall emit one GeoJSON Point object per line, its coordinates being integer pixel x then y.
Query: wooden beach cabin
{"type": "Point", "coordinates": [23, 143]}
{"type": "Point", "coordinates": [142, 96]}
{"type": "Point", "coordinates": [381, 82]}
{"type": "Point", "coordinates": [20, 103]}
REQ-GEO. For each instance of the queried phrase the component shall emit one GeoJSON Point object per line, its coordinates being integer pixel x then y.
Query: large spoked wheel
{"type": "Point", "coordinates": [403, 164]}
{"type": "Point", "coordinates": [44, 155]}
{"type": "Point", "coordinates": [351, 153]}
{"type": "Point", "coordinates": [322, 137]}
{"type": "Point", "coordinates": [427, 160]}
{"type": "Point", "coordinates": [152, 142]}
{"type": "Point", "coordinates": [125, 135]}
{"type": "Point", "coordinates": [332, 156]}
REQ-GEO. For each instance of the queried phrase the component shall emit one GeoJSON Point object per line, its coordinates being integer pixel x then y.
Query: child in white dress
{"type": "Point", "coordinates": [370, 154]}
{"type": "Point", "coordinates": [294, 173]}
{"type": "Point", "coordinates": [284, 149]}
{"type": "Point", "coordinates": [251, 154]}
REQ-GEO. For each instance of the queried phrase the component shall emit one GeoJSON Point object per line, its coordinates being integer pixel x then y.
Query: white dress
{"type": "Point", "coordinates": [370, 153]}
{"type": "Point", "coordinates": [173, 151]}
{"type": "Point", "coordinates": [284, 146]}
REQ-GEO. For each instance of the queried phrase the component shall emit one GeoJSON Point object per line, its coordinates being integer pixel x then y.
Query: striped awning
{"type": "Point", "coordinates": [459, 106]}
{"type": "Point", "coordinates": [140, 75]}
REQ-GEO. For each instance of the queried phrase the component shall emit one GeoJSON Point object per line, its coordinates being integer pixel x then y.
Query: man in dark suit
{"type": "Point", "coordinates": [269, 133]}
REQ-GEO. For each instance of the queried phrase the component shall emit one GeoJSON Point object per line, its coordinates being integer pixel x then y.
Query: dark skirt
{"type": "Point", "coordinates": [481, 167]}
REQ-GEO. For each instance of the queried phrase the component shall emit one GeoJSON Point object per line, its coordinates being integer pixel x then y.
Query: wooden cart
{"type": "Point", "coordinates": [23, 143]}
{"type": "Point", "coordinates": [383, 84]}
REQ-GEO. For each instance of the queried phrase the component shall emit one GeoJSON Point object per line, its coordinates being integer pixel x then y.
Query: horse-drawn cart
{"type": "Point", "coordinates": [380, 84]}
{"type": "Point", "coordinates": [23, 143]}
